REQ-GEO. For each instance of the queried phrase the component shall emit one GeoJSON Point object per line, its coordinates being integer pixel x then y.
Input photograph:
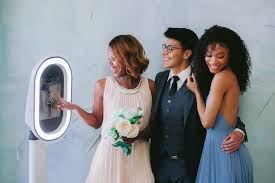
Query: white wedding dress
{"type": "Point", "coordinates": [110, 164]}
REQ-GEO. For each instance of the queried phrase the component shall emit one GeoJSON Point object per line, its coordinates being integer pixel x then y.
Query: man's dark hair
{"type": "Point", "coordinates": [186, 37]}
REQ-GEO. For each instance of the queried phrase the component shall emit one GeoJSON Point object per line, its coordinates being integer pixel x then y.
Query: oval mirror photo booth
{"type": "Point", "coordinates": [50, 80]}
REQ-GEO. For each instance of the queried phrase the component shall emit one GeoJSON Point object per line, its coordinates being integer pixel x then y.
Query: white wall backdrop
{"type": "Point", "coordinates": [79, 31]}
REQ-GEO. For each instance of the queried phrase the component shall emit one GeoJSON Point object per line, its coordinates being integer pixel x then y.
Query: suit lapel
{"type": "Point", "coordinates": [190, 99]}
{"type": "Point", "coordinates": [162, 82]}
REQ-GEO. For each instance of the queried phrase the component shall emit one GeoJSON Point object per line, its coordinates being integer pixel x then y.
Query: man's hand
{"type": "Point", "coordinates": [232, 142]}
{"type": "Point", "coordinates": [128, 140]}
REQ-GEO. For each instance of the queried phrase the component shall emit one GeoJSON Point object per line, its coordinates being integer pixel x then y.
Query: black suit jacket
{"type": "Point", "coordinates": [194, 133]}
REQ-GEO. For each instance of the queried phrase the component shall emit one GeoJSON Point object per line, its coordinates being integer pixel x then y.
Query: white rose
{"type": "Point", "coordinates": [133, 131]}
{"type": "Point", "coordinates": [123, 127]}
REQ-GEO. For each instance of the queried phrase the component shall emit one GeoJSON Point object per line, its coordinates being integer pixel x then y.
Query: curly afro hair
{"type": "Point", "coordinates": [239, 59]}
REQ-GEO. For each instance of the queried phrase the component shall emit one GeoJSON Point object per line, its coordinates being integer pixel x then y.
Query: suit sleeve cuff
{"type": "Point", "coordinates": [239, 130]}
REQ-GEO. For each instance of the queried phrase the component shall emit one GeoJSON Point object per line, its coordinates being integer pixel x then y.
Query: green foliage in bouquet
{"type": "Point", "coordinates": [127, 148]}
{"type": "Point", "coordinates": [134, 119]}
{"type": "Point", "coordinates": [125, 124]}
{"type": "Point", "coordinates": [114, 134]}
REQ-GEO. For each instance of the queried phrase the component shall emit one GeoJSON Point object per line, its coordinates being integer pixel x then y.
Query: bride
{"type": "Point", "coordinates": [126, 88]}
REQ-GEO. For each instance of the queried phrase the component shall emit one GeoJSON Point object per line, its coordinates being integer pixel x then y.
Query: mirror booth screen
{"type": "Point", "coordinates": [51, 88]}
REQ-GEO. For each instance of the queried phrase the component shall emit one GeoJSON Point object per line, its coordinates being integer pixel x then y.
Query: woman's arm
{"type": "Point", "coordinates": [94, 118]}
{"type": "Point", "coordinates": [209, 111]}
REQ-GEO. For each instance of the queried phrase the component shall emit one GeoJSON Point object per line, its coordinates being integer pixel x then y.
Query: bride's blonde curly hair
{"type": "Point", "coordinates": [130, 52]}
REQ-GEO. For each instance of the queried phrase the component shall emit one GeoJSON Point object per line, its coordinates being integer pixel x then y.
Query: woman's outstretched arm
{"type": "Point", "coordinates": [94, 118]}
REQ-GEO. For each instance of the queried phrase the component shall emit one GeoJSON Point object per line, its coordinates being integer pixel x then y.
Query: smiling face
{"type": "Point", "coordinates": [174, 55]}
{"type": "Point", "coordinates": [216, 58]}
{"type": "Point", "coordinates": [117, 67]}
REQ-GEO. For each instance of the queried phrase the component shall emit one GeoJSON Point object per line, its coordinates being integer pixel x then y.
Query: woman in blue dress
{"type": "Point", "coordinates": [221, 73]}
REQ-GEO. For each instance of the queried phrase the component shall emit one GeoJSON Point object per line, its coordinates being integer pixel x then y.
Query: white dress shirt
{"type": "Point", "coordinates": [183, 75]}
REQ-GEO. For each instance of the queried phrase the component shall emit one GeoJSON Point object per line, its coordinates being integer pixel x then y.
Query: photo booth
{"type": "Point", "coordinates": [50, 81]}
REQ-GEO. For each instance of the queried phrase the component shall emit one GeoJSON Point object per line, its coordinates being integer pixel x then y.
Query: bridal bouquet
{"type": "Point", "coordinates": [125, 124]}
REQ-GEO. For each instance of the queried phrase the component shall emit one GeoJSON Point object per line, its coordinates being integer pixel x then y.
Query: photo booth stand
{"type": "Point", "coordinates": [50, 80]}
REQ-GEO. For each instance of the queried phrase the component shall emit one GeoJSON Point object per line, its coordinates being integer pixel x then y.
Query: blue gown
{"type": "Point", "coordinates": [217, 166]}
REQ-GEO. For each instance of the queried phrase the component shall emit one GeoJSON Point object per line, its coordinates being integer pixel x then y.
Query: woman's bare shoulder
{"type": "Point", "coordinates": [225, 79]}
{"type": "Point", "coordinates": [101, 81]}
{"type": "Point", "coordinates": [100, 85]}
{"type": "Point", "coordinates": [225, 75]}
{"type": "Point", "coordinates": [151, 82]}
{"type": "Point", "coordinates": [152, 86]}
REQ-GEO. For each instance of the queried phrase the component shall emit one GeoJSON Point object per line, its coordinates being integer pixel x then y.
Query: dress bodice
{"type": "Point", "coordinates": [220, 129]}
{"type": "Point", "coordinates": [109, 163]}
{"type": "Point", "coordinates": [116, 98]}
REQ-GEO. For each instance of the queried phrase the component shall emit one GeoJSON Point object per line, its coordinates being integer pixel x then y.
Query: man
{"type": "Point", "coordinates": [177, 134]}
